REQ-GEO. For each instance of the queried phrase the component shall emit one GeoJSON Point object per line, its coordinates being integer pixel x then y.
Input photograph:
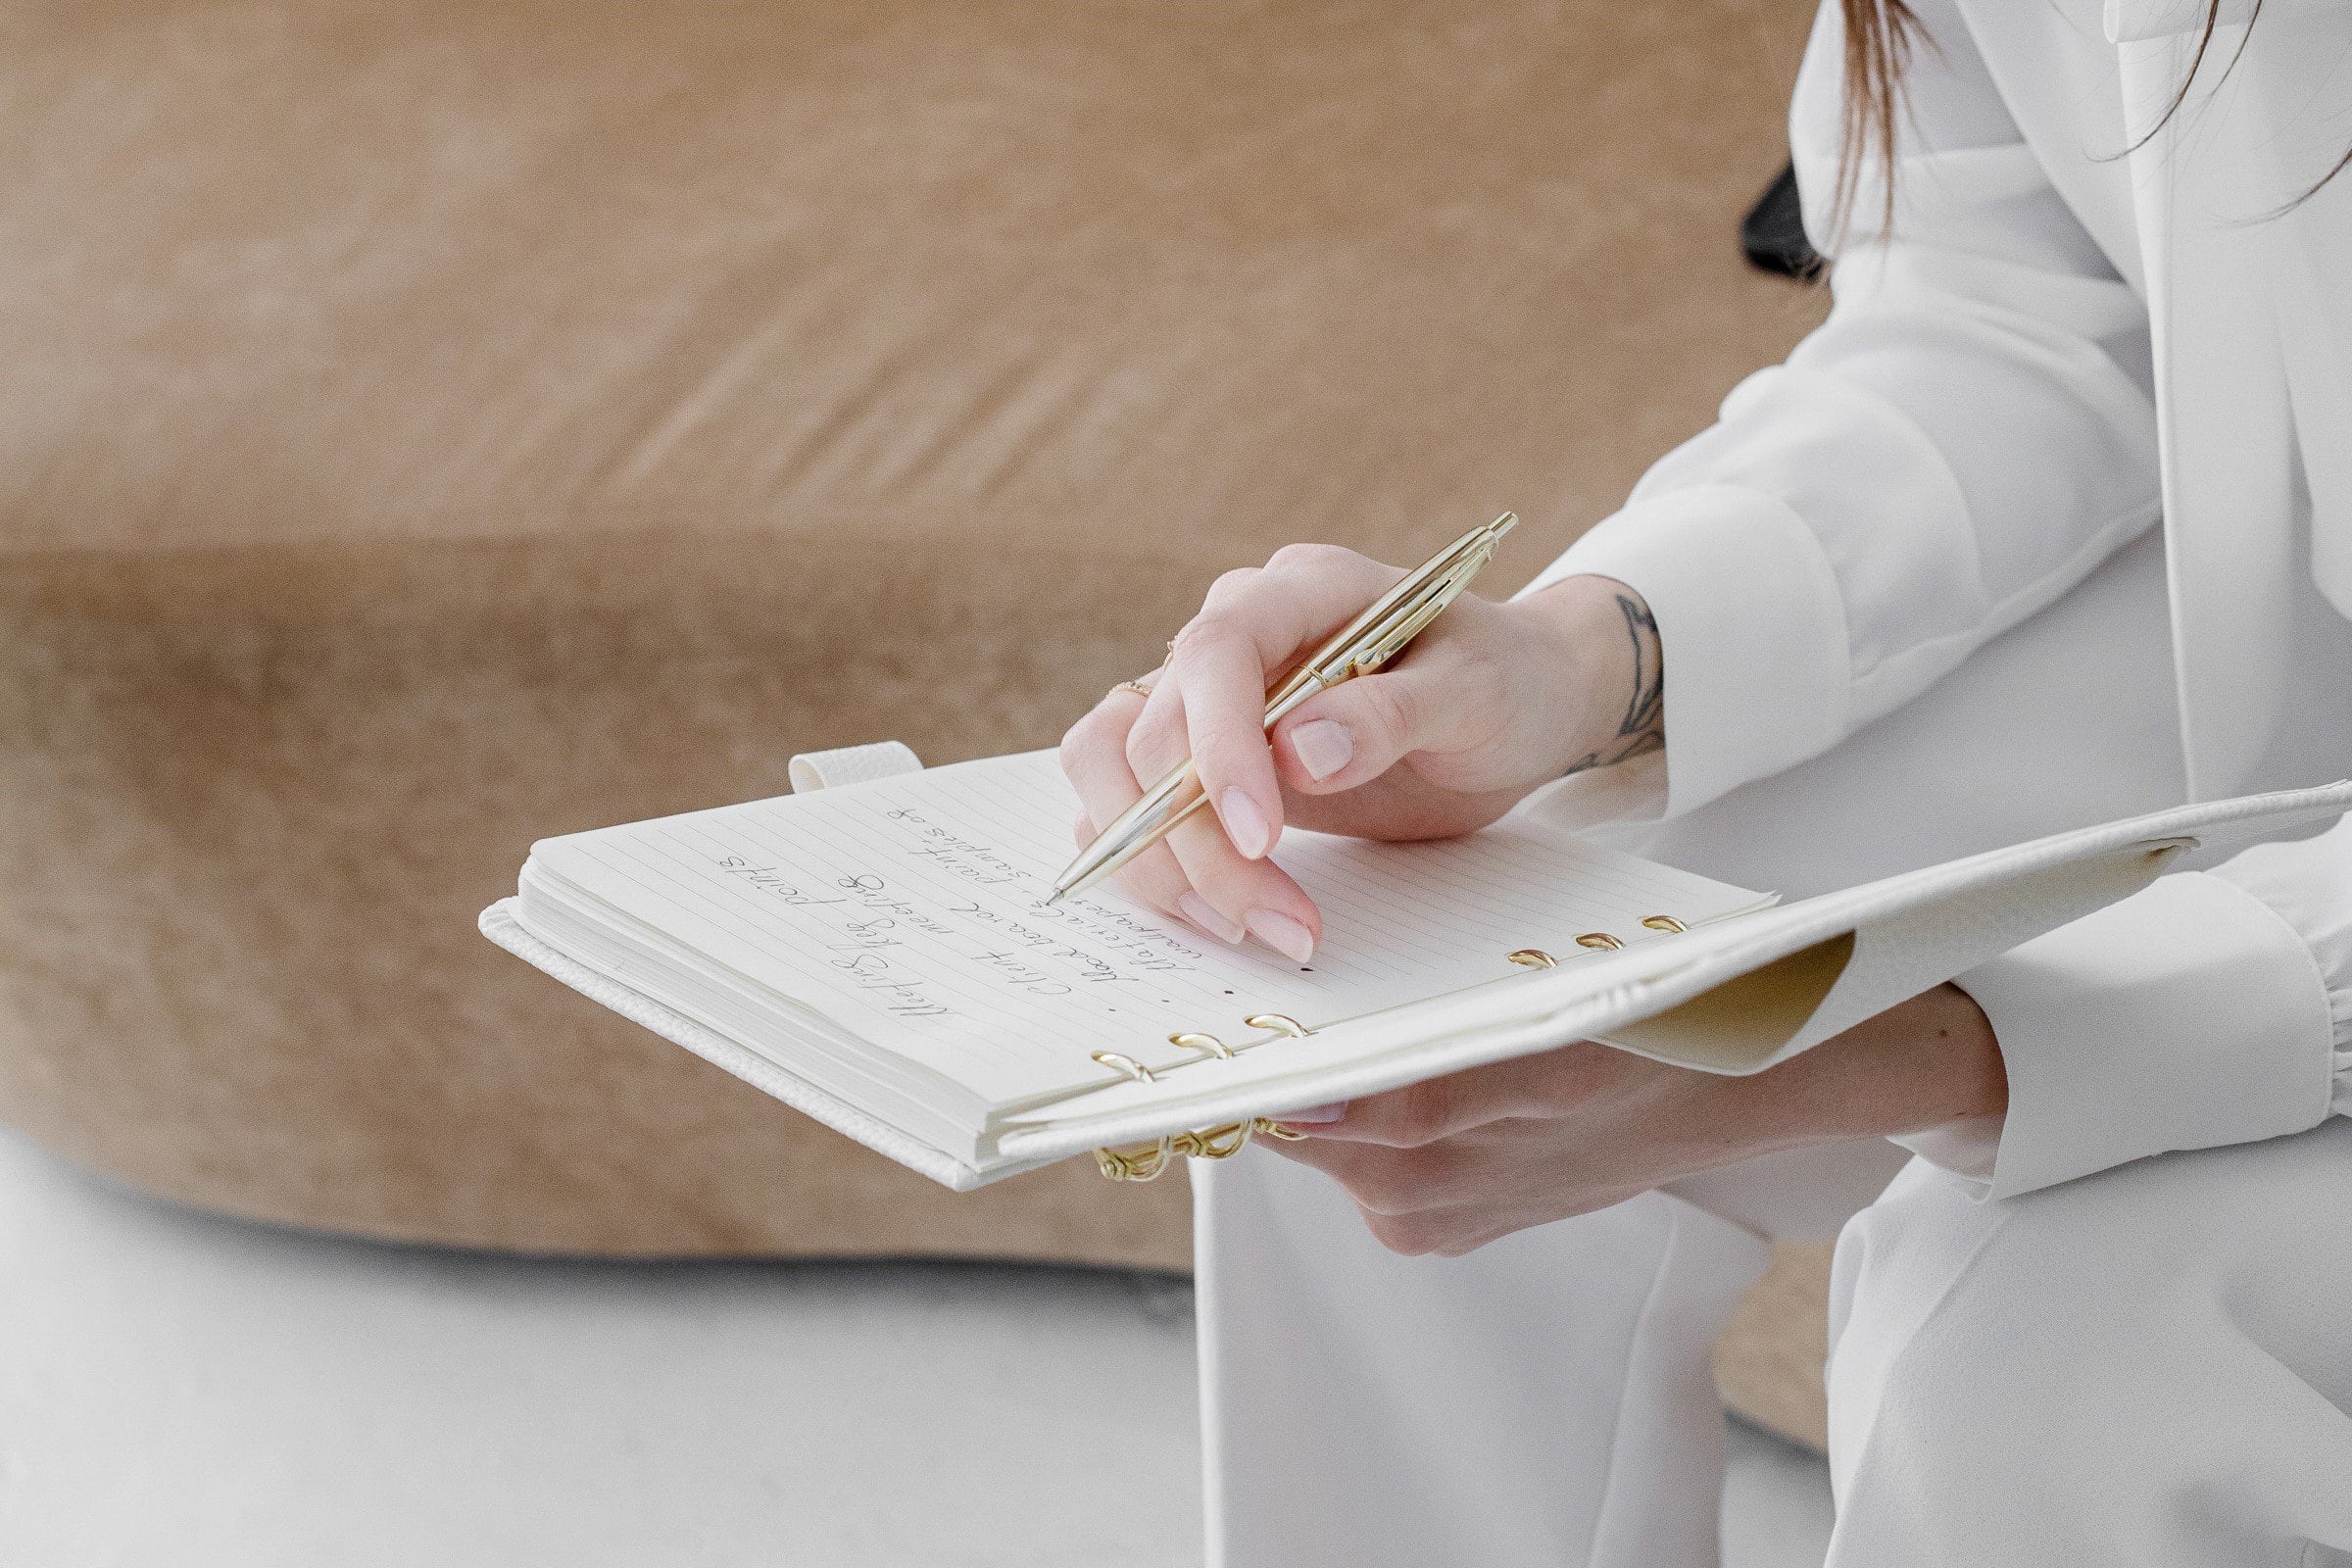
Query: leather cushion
{"type": "Point", "coordinates": [938, 271]}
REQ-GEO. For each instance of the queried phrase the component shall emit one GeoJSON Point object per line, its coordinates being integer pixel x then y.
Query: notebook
{"type": "Point", "coordinates": [879, 955]}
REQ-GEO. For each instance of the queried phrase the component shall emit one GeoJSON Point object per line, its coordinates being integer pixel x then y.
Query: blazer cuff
{"type": "Point", "coordinates": [2188, 1016]}
{"type": "Point", "coordinates": [1750, 623]}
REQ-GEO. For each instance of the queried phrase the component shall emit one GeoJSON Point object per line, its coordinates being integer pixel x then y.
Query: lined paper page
{"type": "Point", "coordinates": [910, 911]}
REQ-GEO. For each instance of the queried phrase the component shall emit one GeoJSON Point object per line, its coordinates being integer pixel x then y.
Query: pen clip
{"type": "Point", "coordinates": [1396, 617]}
{"type": "Point", "coordinates": [1437, 597]}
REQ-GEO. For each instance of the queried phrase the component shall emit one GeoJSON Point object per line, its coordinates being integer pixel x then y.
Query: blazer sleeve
{"type": "Point", "coordinates": [2210, 1009]}
{"type": "Point", "coordinates": [1965, 438]}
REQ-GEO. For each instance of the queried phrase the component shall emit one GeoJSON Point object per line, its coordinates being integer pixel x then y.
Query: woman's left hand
{"type": "Point", "coordinates": [1450, 1164]}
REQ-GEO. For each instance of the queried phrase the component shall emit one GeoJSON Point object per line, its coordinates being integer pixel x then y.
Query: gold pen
{"type": "Point", "coordinates": [1358, 648]}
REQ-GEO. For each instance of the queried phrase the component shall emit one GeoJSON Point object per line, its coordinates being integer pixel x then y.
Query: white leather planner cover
{"type": "Point", "coordinates": [1733, 997]}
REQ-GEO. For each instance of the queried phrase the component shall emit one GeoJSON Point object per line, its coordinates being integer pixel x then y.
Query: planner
{"type": "Point", "coordinates": [879, 955]}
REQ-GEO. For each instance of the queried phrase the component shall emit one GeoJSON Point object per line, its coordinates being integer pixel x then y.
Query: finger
{"type": "Point", "coordinates": [1395, 1224]}
{"type": "Point", "coordinates": [1356, 731]}
{"type": "Point", "coordinates": [1156, 742]}
{"type": "Point", "coordinates": [1251, 625]}
{"type": "Point", "coordinates": [1438, 1232]}
{"type": "Point", "coordinates": [1219, 884]}
{"type": "Point", "coordinates": [1434, 1110]}
{"type": "Point", "coordinates": [1224, 681]}
{"type": "Point", "coordinates": [1218, 852]}
{"type": "Point", "coordinates": [1142, 685]}
{"type": "Point", "coordinates": [1302, 593]}
{"type": "Point", "coordinates": [1094, 759]}
{"type": "Point", "coordinates": [1257, 896]}
{"type": "Point", "coordinates": [1397, 1181]}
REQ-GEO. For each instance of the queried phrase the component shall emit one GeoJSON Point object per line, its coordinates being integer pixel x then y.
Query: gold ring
{"type": "Point", "coordinates": [1135, 686]}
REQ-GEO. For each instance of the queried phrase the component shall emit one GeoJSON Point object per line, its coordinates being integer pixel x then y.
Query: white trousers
{"type": "Point", "coordinates": [2151, 1366]}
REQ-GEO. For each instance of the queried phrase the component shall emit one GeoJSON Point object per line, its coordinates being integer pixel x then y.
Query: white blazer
{"type": "Point", "coordinates": [2248, 293]}
{"type": "Point", "coordinates": [2079, 325]}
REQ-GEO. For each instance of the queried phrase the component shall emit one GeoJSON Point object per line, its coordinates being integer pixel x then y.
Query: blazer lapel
{"type": "Point", "coordinates": [2225, 430]}
{"type": "Point", "coordinates": [2248, 295]}
{"type": "Point", "coordinates": [2305, 76]}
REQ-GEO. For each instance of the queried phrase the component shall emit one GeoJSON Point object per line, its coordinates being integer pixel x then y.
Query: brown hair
{"type": "Point", "coordinates": [1879, 38]}
{"type": "Point", "coordinates": [1878, 34]}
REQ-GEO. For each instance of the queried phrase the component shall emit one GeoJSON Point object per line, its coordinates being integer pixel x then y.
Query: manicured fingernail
{"type": "Point", "coordinates": [1245, 824]}
{"type": "Point", "coordinates": [1204, 915]}
{"type": "Point", "coordinates": [1283, 934]}
{"type": "Point", "coordinates": [1315, 1115]}
{"type": "Point", "coordinates": [1324, 747]}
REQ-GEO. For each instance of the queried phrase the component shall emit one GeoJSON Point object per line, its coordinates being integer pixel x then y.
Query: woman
{"type": "Point", "coordinates": [2050, 522]}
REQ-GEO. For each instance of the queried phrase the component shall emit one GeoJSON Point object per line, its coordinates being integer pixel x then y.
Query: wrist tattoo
{"type": "Point", "coordinates": [1642, 728]}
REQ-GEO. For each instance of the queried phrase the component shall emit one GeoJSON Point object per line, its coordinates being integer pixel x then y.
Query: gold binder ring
{"type": "Point", "coordinates": [1223, 1143]}
{"type": "Point", "coordinates": [1602, 940]}
{"type": "Point", "coordinates": [1126, 1064]}
{"type": "Point", "coordinates": [1192, 1041]}
{"type": "Point", "coordinates": [1534, 958]}
{"type": "Point", "coordinates": [1663, 922]}
{"type": "Point", "coordinates": [1215, 1143]}
{"type": "Point", "coordinates": [1141, 1163]}
{"type": "Point", "coordinates": [1145, 1162]}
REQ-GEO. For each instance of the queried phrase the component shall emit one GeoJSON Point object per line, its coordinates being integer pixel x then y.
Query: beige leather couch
{"type": "Point", "coordinates": [425, 426]}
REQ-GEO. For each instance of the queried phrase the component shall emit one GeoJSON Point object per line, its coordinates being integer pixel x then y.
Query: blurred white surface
{"type": "Point", "coordinates": [178, 1391]}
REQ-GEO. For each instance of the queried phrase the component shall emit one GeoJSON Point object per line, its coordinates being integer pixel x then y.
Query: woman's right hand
{"type": "Point", "coordinates": [1491, 700]}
